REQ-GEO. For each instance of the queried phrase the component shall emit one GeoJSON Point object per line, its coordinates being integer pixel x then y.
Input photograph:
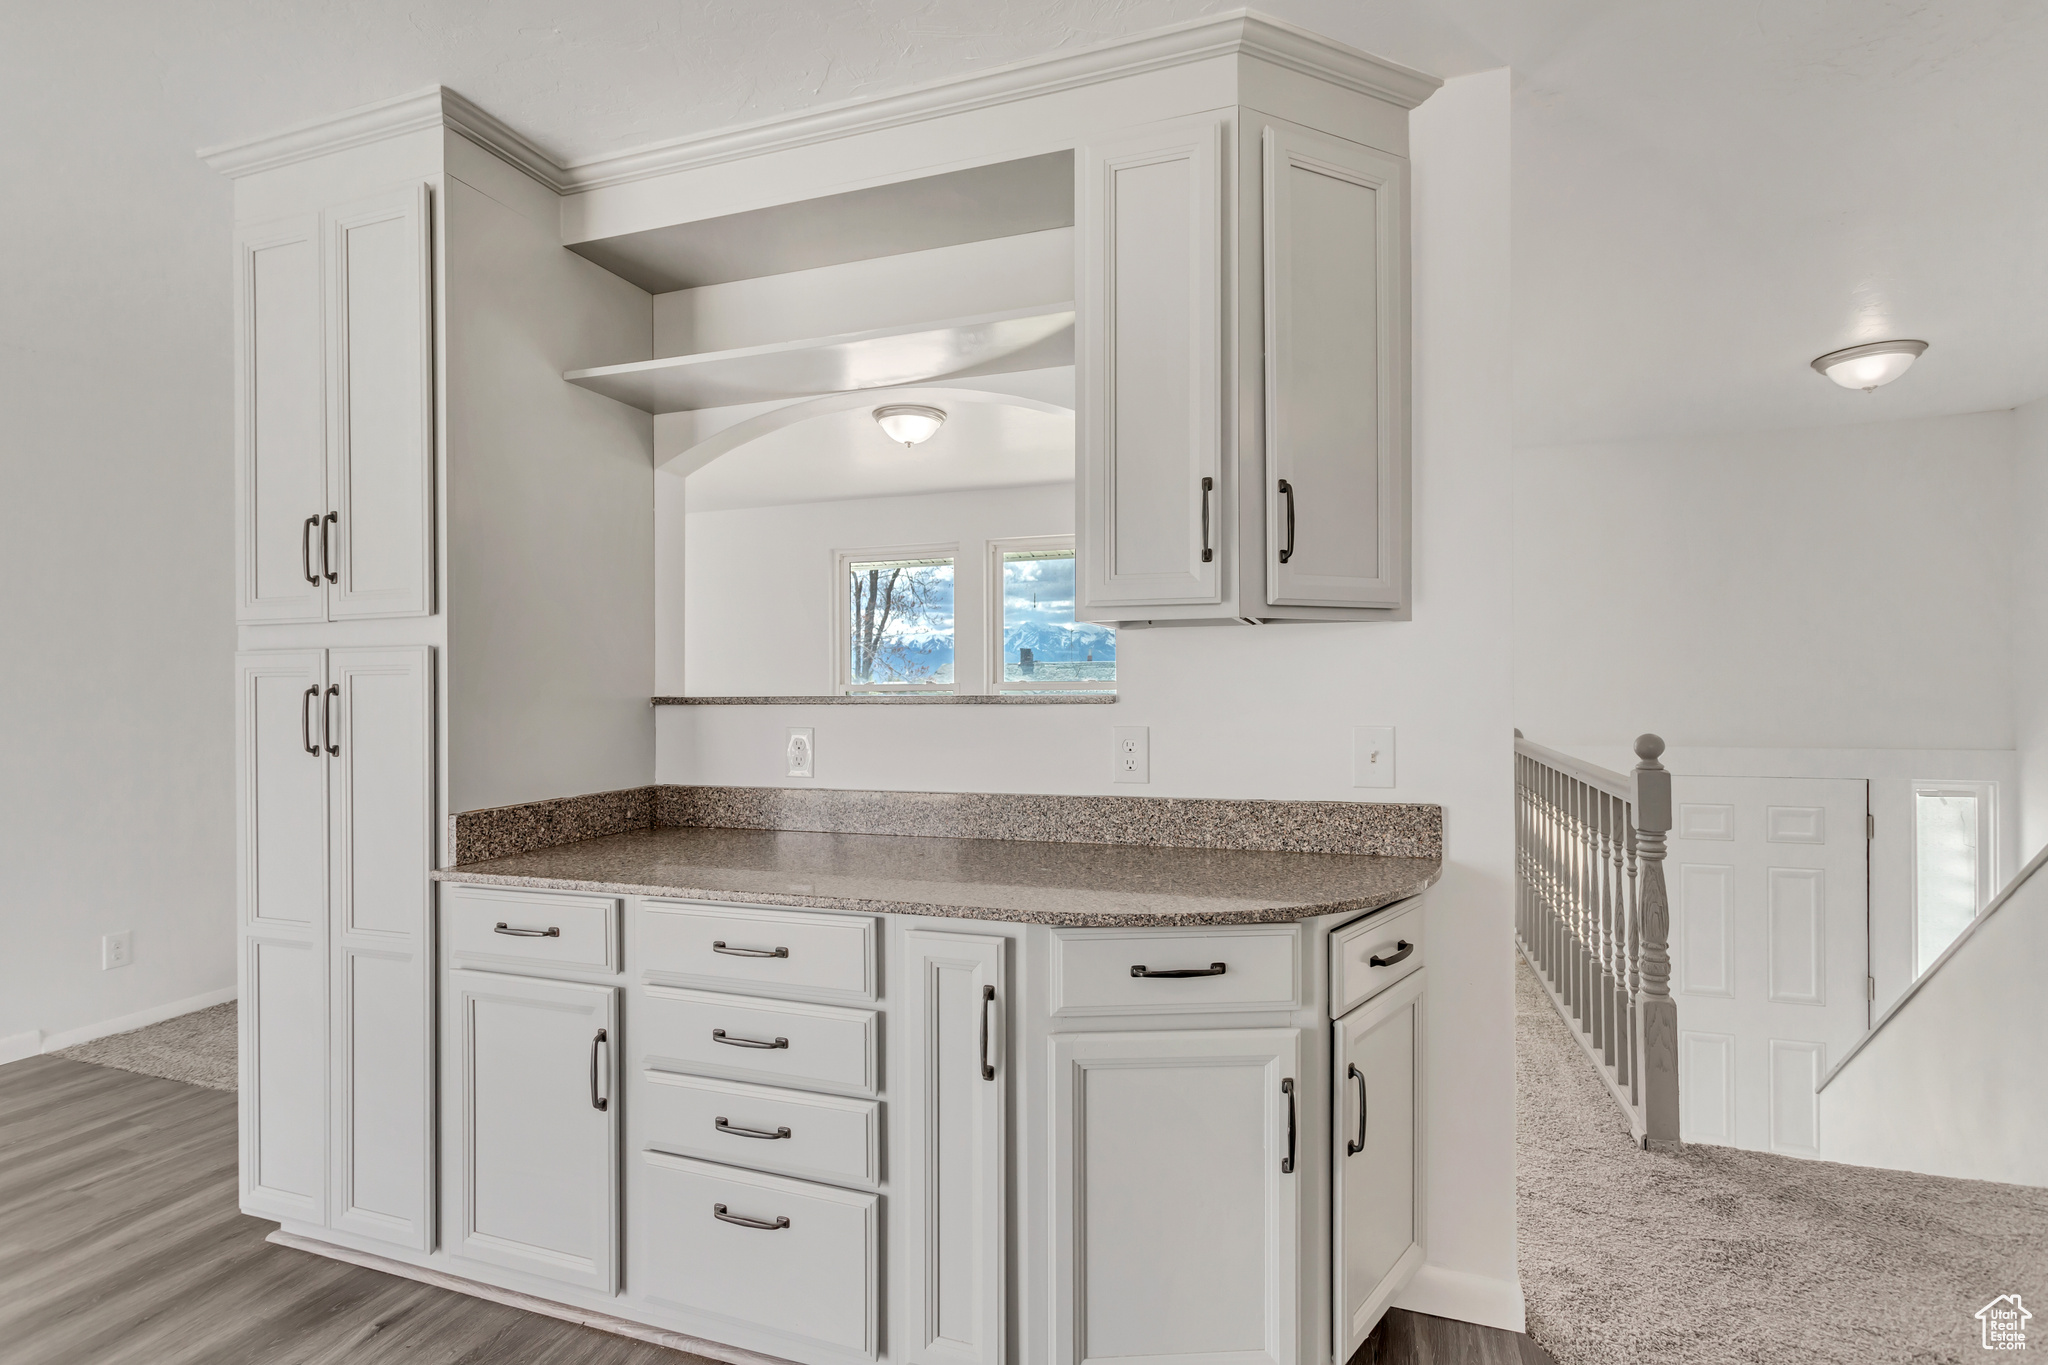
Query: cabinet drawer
{"type": "Point", "coordinates": [822, 1046]}
{"type": "Point", "coordinates": [482, 924]}
{"type": "Point", "coordinates": [1123, 971]}
{"type": "Point", "coordinates": [819, 1137]}
{"type": "Point", "coordinates": [810, 1274]}
{"type": "Point", "coordinates": [730, 947]}
{"type": "Point", "coordinates": [1386, 935]}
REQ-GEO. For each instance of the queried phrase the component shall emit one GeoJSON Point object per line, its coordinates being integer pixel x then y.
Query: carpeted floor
{"type": "Point", "coordinates": [1713, 1256]}
{"type": "Point", "coordinates": [197, 1047]}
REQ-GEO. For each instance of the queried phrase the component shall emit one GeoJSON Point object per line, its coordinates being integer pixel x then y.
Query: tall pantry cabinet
{"type": "Point", "coordinates": [383, 575]}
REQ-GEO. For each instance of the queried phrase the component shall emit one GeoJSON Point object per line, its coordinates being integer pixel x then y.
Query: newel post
{"type": "Point", "coordinates": [1656, 1011]}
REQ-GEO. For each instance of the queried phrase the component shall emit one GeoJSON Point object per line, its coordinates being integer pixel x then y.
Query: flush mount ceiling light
{"type": "Point", "coordinates": [1866, 367]}
{"type": "Point", "coordinates": [909, 422]}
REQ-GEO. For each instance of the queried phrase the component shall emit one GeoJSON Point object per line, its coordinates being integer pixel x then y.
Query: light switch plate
{"type": "Point", "coordinates": [1133, 759]}
{"type": "Point", "coordinates": [117, 950]}
{"type": "Point", "coordinates": [1372, 756]}
{"type": "Point", "coordinates": [802, 752]}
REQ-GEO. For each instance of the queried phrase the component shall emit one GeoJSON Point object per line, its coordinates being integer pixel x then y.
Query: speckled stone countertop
{"type": "Point", "coordinates": [1077, 885]}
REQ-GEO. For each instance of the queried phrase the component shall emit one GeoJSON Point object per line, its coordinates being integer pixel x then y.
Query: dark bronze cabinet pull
{"type": "Point", "coordinates": [1208, 487]}
{"type": "Point", "coordinates": [306, 550]}
{"type": "Point", "coordinates": [552, 931]}
{"type": "Point", "coordinates": [1287, 1162]}
{"type": "Point", "coordinates": [327, 725]}
{"type": "Point", "coordinates": [718, 946]}
{"type": "Point", "coordinates": [1353, 1148]}
{"type": "Point", "coordinates": [1287, 491]}
{"type": "Point", "coordinates": [597, 1101]}
{"type": "Point", "coordinates": [1403, 944]}
{"type": "Point", "coordinates": [306, 704]}
{"type": "Point", "coordinates": [1213, 969]}
{"type": "Point", "coordinates": [722, 1126]}
{"type": "Point", "coordinates": [718, 1036]}
{"type": "Point", "coordinates": [718, 1212]}
{"type": "Point", "coordinates": [326, 556]}
{"type": "Point", "coordinates": [988, 1000]}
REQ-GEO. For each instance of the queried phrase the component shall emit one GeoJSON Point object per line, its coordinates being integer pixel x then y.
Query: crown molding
{"type": "Point", "coordinates": [1235, 32]}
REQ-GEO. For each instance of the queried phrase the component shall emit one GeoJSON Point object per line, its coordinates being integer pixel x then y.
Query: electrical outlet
{"type": "Point", "coordinates": [1372, 756]}
{"type": "Point", "coordinates": [1133, 754]}
{"type": "Point", "coordinates": [117, 950]}
{"type": "Point", "coordinates": [802, 752]}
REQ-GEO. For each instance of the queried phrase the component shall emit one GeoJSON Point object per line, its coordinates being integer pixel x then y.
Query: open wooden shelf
{"type": "Point", "coordinates": [990, 343]}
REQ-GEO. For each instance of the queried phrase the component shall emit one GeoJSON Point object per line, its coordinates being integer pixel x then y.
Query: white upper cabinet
{"type": "Point", "coordinates": [335, 412]}
{"type": "Point", "coordinates": [1150, 368]}
{"type": "Point", "coordinates": [1336, 321]}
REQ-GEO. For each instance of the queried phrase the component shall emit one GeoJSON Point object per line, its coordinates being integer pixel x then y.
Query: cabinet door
{"type": "Point", "coordinates": [1175, 1206]}
{"type": "Point", "coordinates": [538, 1188]}
{"type": "Point", "coordinates": [1378, 1232]}
{"type": "Point", "coordinates": [1336, 373]}
{"type": "Point", "coordinates": [281, 884]}
{"type": "Point", "coordinates": [380, 358]}
{"type": "Point", "coordinates": [379, 730]}
{"type": "Point", "coordinates": [1150, 367]}
{"type": "Point", "coordinates": [953, 1111]}
{"type": "Point", "coordinates": [280, 430]}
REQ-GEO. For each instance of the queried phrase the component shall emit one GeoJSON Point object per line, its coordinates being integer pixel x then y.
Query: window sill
{"type": "Point", "coordinates": [907, 699]}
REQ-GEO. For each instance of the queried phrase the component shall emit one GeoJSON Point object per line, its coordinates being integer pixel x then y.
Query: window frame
{"type": "Point", "coordinates": [843, 561]}
{"type": "Point", "coordinates": [992, 649]}
{"type": "Point", "coordinates": [1986, 794]}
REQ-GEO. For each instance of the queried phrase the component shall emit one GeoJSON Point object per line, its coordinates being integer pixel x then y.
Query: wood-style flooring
{"type": "Point", "coordinates": [121, 1244]}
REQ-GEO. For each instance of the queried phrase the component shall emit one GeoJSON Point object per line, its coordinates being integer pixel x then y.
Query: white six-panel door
{"type": "Point", "coordinates": [1377, 1243]}
{"type": "Point", "coordinates": [953, 1188]}
{"type": "Point", "coordinates": [1174, 1197]}
{"type": "Point", "coordinates": [1150, 367]}
{"type": "Point", "coordinates": [280, 436]}
{"type": "Point", "coordinates": [1769, 882]}
{"type": "Point", "coordinates": [1336, 323]}
{"type": "Point", "coordinates": [380, 737]}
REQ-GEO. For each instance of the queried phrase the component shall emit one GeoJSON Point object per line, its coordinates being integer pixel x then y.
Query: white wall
{"type": "Point", "coordinates": [2030, 620]}
{"type": "Point", "coordinates": [1843, 587]}
{"type": "Point", "coordinates": [1955, 1082]}
{"type": "Point", "coordinates": [116, 559]}
{"type": "Point", "coordinates": [762, 591]}
{"type": "Point", "coordinates": [1267, 711]}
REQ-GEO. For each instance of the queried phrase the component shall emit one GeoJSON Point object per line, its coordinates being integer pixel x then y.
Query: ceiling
{"type": "Point", "coordinates": [1706, 195]}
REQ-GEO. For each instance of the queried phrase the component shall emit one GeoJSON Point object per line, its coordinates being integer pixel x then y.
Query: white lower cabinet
{"type": "Point", "coordinates": [1174, 1187]}
{"type": "Point", "coordinates": [798, 1259]}
{"type": "Point", "coordinates": [1377, 1242]}
{"type": "Point", "coordinates": [533, 1080]}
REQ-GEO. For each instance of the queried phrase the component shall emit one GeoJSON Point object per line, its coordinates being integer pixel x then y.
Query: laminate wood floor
{"type": "Point", "coordinates": [121, 1243]}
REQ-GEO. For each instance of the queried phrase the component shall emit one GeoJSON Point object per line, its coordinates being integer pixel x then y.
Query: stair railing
{"type": "Point", "coordinates": [1594, 919]}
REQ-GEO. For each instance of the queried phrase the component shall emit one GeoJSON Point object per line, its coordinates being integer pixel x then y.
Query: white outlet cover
{"type": "Point", "coordinates": [802, 752]}
{"type": "Point", "coordinates": [117, 950]}
{"type": "Point", "coordinates": [1372, 756]}
{"type": "Point", "coordinates": [1131, 757]}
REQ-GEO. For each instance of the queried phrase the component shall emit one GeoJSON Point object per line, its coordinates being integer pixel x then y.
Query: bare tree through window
{"type": "Point", "coordinates": [902, 622]}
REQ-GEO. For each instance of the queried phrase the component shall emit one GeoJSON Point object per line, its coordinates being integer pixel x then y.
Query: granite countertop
{"type": "Point", "coordinates": [1076, 885]}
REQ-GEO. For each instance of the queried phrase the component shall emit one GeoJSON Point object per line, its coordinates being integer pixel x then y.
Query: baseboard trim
{"type": "Point", "coordinates": [512, 1298]}
{"type": "Point", "coordinates": [21, 1045]}
{"type": "Point", "coordinates": [1482, 1299]}
{"type": "Point", "coordinates": [57, 1042]}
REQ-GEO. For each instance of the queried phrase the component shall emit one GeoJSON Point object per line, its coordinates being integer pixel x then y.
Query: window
{"type": "Point", "coordinates": [896, 633]}
{"type": "Point", "coordinates": [1952, 862]}
{"type": "Point", "coordinates": [1038, 646]}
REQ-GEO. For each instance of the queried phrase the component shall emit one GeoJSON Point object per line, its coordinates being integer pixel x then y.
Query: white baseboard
{"type": "Point", "coordinates": [1482, 1299]}
{"type": "Point", "coordinates": [21, 1045]}
{"type": "Point", "coordinates": [57, 1042]}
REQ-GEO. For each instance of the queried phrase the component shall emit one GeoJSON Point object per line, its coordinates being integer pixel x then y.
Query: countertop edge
{"type": "Point", "coordinates": [1277, 914]}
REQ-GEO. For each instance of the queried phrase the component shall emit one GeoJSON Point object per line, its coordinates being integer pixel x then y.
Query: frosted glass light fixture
{"type": "Point", "coordinates": [909, 422]}
{"type": "Point", "coordinates": [1867, 367]}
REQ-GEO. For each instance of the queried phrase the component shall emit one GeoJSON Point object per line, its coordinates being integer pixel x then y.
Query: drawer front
{"type": "Point", "coordinates": [1128, 971]}
{"type": "Point", "coordinates": [484, 924]}
{"type": "Point", "coordinates": [817, 1137]}
{"type": "Point", "coordinates": [825, 1047]}
{"type": "Point", "coordinates": [810, 1274]}
{"type": "Point", "coordinates": [730, 947]}
{"type": "Point", "coordinates": [1393, 936]}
